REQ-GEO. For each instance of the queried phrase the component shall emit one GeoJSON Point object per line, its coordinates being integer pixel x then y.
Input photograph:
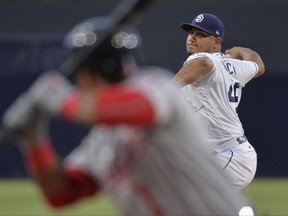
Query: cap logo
{"type": "Point", "coordinates": [199, 18]}
{"type": "Point", "coordinates": [217, 32]}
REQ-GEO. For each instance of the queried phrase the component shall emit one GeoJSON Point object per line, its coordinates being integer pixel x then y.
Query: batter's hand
{"type": "Point", "coordinates": [27, 116]}
{"type": "Point", "coordinates": [49, 91]}
{"type": "Point", "coordinates": [25, 120]}
{"type": "Point", "coordinates": [28, 123]}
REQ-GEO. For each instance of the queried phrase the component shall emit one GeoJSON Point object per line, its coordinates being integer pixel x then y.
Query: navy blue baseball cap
{"type": "Point", "coordinates": [208, 23]}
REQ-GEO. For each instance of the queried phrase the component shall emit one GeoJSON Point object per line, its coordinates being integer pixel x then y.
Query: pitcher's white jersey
{"type": "Point", "coordinates": [159, 170]}
{"type": "Point", "coordinates": [216, 96]}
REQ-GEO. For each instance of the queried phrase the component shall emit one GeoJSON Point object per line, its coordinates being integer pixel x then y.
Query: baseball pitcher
{"type": "Point", "coordinates": [212, 86]}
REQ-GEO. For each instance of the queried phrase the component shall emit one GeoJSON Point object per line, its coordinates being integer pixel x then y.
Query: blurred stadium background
{"type": "Point", "coordinates": [31, 34]}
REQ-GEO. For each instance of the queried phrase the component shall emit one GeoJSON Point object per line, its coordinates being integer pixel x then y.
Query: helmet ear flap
{"type": "Point", "coordinates": [90, 46]}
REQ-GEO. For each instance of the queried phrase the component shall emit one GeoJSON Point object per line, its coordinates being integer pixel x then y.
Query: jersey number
{"type": "Point", "coordinates": [232, 93]}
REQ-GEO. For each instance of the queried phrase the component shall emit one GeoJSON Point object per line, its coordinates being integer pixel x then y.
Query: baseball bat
{"type": "Point", "coordinates": [126, 12]}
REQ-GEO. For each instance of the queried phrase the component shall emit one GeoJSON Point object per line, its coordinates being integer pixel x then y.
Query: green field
{"type": "Point", "coordinates": [270, 196]}
{"type": "Point", "coordinates": [21, 197]}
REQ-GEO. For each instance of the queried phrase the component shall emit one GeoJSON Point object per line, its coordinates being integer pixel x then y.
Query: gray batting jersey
{"type": "Point", "coordinates": [161, 170]}
{"type": "Point", "coordinates": [217, 95]}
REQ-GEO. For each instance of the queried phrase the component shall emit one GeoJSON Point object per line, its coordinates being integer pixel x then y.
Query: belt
{"type": "Point", "coordinates": [241, 139]}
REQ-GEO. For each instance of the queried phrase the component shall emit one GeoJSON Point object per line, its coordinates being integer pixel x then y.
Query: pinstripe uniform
{"type": "Point", "coordinates": [164, 169]}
